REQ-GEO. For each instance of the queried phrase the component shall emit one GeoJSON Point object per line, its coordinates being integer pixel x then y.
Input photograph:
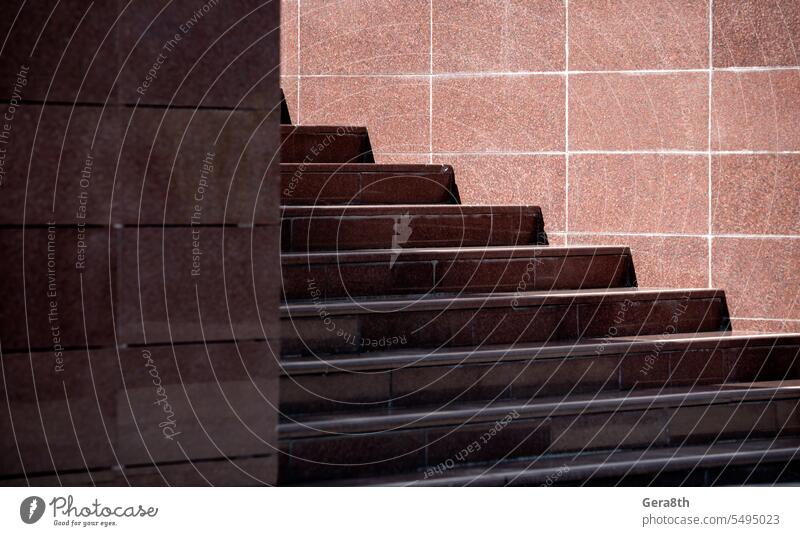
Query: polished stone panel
{"type": "Point", "coordinates": [616, 35]}
{"type": "Point", "coordinates": [196, 401]}
{"type": "Point", "coordinates": [756, 111]}
{"type": "Point", "coordinates": [641, 193]}
{"type": "Point", "coordinates": [364, 37]}
{"type": "Point", "coordinates": [756, 194]}
{"type": "Point", "coordinates": [756, 33]}
{"type": "Point", "coordinates": [498, 113]}
{"type": "Point", "coordinates": [484, 36]}
{"type": "Point", "coordinates": [638, 111]}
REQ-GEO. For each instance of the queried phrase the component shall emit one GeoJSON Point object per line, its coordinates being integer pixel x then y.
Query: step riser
{"type": "Point", "coordinates": [325, 145]}
{"type": "Point", "coordinates": [305, 186]}
{"type": "Point", "coordinates": [434, 451]}
{"type": "Point", "coordinates": [519, 323]}
{"type": "Point", "coordinates": [410, 385]}
{"type": "Point", "coordinates": [336, 279]}
{"type": "Point", "coordinates": [340, 233]}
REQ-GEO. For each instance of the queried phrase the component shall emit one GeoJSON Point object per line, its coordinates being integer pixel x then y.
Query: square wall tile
{"type": "Point", "coordinates": [630, 112]}
{"type": "Point", "coordinates": [197, 167]}
{"type": "Point", "coordinates": [760, 276]}
{"type": "Point", "coordinates": [56, 284]}
{"type": "Point", "coordinates": [498, 113]}
{"type": "Point", "coordinates": [638, 193]}
{"type": "Point", "coordinates": [187, 53]}
{"type": "Point", "coordinates": [491, 36]}
{"type": "Point", "coordinates": [57, 411]}
{"type": "Point", "coordinates": [395, 110]}
{"type": "Point", "coordinates": [756, 194]}
{"type": "Point", "coordinates": [364, 37]}
{"type": "Point", "coordinates": [401, 158]}
{"type": "Point", "coordinates": [624, 35]}
{"type": "Point", "coordinates": [58, 165]}
{"type": "Point", "coordinates": [289, 31]}
{"type": "Point", "coordinates": [756, 32]}
{"type": "Point", "coordinates": [512, 180]}
{"type": "Point", "coordinates": [185, 284]}
{"type": "Point", "coordinates": [62, 51]}
{"type": "Point", "coordinates": [192, 401]}
{"type": "Point", "coordinates": [668, 261]}
{"type": "Point", "coordinates": [766, 326]}
{"type": "Point", "coordinates": [756, 111]}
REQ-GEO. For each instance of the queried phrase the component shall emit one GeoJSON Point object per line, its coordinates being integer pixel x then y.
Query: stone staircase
{"type": "Point", "coordinates": [427, 342]}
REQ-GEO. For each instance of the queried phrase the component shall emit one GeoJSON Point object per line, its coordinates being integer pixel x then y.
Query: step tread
{"type": "Point", "coordinates": [369, 305]}
{"type": "Point", "coordinates": [298, 211]}
{"type": "Point", "coordinates": [314, 129]}
{"type": "Point", "coordinates": [582, 466]}
{"type": "Point", "coordinates": [380, 420]}
{"type": "Point", "coordinates": [548, 350]}
{"type": "Point", "coordinates": [477, 252]}
{"type": "Point", "coordinates": [359, 167]}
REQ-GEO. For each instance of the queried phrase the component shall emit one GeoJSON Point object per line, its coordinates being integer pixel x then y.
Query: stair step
{"type": "Point", "coordinates": [337, 228]}
{"type": "Point", "coordinates": [723, 463]}
{"type": "Point", "coordinates": [325, 144]}
{"type": "Point", "coordinates": [353, 326]}
{"type": "Point", "coordinates": [380, 442]}
{"type": "Point", "coordinates": [364, 184]}
{"type": "Point", "coordinates": [455, 270]}
{"type": "Point", "coordinates": [404, 378]}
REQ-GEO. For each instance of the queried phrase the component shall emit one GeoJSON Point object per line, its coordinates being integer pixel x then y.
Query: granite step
{"type": "Point", "coordinates": [427, 439]}
{"type": "Point", "coordinates": [319, 144]}
{"type": "Point", "coordinates": [456, 270]}
{"type": "Point", "coordinates": [405, 378]}
{"type": "Point", "coordinates": [366, 184]}
{"type": "Point", "coordinates": [731, 463]}
{"type": "Point", "coordinates": [348, 326]}
{"type": "Point", "coordinates": [338, 228]}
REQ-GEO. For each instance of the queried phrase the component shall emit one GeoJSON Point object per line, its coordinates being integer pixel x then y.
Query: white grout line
{"type": "Point", "coordinates": [745, 151]}
{"type": "Point", "coordinates": [760, 236]}
{"type": "Point", "coordinates": [710, 90]}
{"type": "Point", "coordinates": [687, 235]}
{"type": "Point", "coordinates": [631, 72]}
{"type": "Point", "coordinates": [430, 84]}
{"type": "Point", "coordinates": [572, 152]}
{"type": "Point", "coordinates": [566, 122]}
{"type": "Point", "coordinates": [501, 153]}
{"type": "Point", "coordinates": [763, 318]}
{"type": "Point", "coordinates": [298, 62]}
{"type": "Point", "coordinates": [643, 151]}
{"type": "Point", "coordinates": [758, 68]}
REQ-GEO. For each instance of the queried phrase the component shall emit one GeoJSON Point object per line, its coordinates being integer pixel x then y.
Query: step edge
{"type": "Point", "coordinates": [579, 472]}
{"type": "Point", "coordinates": [490, 301]}
{"type": "Point", "coordinates": [414, 419]}
{"type": "Point", "coordinates": [510, 354]}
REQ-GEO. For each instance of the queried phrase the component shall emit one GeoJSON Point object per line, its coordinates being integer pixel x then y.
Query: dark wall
{"type": "Point", "coordinates": [139, 242]}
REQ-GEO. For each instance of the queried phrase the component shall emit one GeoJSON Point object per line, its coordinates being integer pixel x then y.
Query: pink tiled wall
{"type": "Point", "coordinates": [669, 125]}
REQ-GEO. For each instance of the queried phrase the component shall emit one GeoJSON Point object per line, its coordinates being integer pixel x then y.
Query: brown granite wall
{"type": "Point", "coordinates": [669, 125]}
{"type": "Point", "coordinates": [139, 235]}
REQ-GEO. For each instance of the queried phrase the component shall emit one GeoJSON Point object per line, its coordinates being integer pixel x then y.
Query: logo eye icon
{"type": "Point", "coordinates": [31, 509]}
